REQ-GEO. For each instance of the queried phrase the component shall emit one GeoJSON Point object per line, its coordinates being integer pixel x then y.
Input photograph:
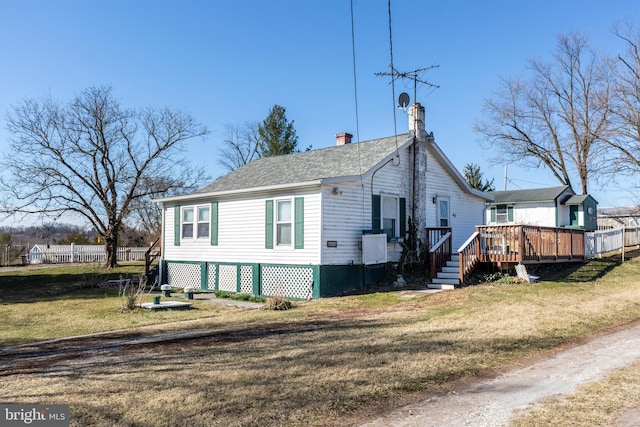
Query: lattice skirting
{"type": "Point", "coordinates": [289, 281]}
{"type": "Point", "coordinates": [182, 275]}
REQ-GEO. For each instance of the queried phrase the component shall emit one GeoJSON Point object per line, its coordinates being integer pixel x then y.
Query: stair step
{"type": "Point", "coordinates": [449, 269]}
{"type": "Point", "coordinates": [448, 286]}
{"type": "Point", "coordinates": [443, 275]}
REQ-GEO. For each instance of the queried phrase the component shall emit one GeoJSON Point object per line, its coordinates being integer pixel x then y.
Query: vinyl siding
{"type": "Point", "coordinates": [241, 234]}
{"type": "Point", "coordinates": [465, 210]}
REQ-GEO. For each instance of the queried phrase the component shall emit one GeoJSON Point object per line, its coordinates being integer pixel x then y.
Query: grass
{"type": "Point", "coordinates": [596, 403]}
{"type": "Point", "coordinates": [321, 363]}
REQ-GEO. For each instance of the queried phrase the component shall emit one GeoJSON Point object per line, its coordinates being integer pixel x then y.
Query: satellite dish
{"type": "Point", "coordinates": [403, 100]}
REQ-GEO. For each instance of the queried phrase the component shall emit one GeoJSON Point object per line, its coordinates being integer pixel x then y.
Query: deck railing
{"type": "Point", "coordinates": [439, 254]}
{"type": "Point", "coordinates": [524, 244]}
{"type": "Point", "coordinates": [150, 255]}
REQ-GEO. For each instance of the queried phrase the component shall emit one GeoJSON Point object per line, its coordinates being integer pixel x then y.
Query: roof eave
{"type": "Point", "coordinates": [242, 191]}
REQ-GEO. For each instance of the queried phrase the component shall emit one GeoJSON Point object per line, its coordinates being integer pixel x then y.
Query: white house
{"type": "Point", "coordinates": [316, 223]}
{"type": "Point", "coordinates": [547, 207]}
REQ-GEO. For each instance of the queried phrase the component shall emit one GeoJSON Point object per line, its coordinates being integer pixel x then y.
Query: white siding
{"type": "Point", "coordinates": [465, 210]}
{"type": "Point", "coordinates": [241, 234]}
{"type": "Point", "coordinates": [539, 214]}
{"type": "Point", "coordinates": [346, 214]}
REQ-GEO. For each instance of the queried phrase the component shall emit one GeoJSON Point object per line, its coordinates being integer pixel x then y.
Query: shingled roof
{"type": "Point", "coordinates": [530, 195]}
{"type": "Point", "coordinates": [341, 161]}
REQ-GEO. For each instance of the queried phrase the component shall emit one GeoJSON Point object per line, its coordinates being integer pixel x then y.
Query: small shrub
{"type": "Point", "coordinates": [277, 303]}
{"type": "Point", "coordinates": [131, 294]}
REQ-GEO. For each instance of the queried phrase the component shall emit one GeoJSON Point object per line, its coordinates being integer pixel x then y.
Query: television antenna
{"type": "Point", "coordinates": [414, 75]}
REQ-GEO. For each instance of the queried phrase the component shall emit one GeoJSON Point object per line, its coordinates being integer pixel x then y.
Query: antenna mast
{"type": "Point", "coordinates": [411, 75]}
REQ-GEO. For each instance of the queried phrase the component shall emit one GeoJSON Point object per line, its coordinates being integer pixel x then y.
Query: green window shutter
{"type": "Point", "coordinates": [403, 217]}
{"type": "Point", "coordinates": [493, 214]}
{"type": "Point", "coordinates": [298, 222]}
{"type": "Point", "coordinates": [214, 224]}
{"type": "Point", "coordinates": [375, 212]}
{"type": "Point", "coordinates": [510, 213]}
{"type": "Point", "coordinates": [268, 225]}
{"type": "Point", "coordinates": [176, 225]}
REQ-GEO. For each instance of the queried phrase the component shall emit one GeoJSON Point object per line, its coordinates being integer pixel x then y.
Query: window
{"type": "Point", "coordinates": [283, 223]}
{"type": "Point", "coordinates": [203, 222]}
{"type": "Point", "coordinates": [201, 226]}
{"type": "Point", "coordinates": [187, 223]}
{"type": "Point", "coordinates": [390, 216]}
{"type": "Point", "coordinates": [502, 214]}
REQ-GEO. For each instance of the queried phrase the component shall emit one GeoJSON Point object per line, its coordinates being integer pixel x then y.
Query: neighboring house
{"type": "Point", "coordinates": [309, 224]}
{"type": "Point", "coordinates": [624, 216]}
{"type": "Point", "coordinates": [548, 207]}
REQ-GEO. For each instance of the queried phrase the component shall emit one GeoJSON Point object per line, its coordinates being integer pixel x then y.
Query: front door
{"type": "Point", "coordinates": [443, 212]}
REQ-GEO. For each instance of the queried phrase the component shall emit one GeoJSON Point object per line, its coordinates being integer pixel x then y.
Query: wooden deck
{"type": "Point", "coordinates": [520, 244]}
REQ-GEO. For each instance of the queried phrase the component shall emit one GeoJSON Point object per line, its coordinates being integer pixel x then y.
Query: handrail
{"type": "Point", "coordinates": [440, 253]}
{"type": "Point", "coordinates": [151, 254]}
{"type": "Point", "coordinates": [469, 255]}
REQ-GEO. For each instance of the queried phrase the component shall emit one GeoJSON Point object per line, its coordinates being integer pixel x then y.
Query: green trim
{"type": "Point", "coordinates": [203, 276]}
{"type": "Point", "coordinates": [176, 225]}
{"type": "Point", "coordinates": [493, 214]}
{"type": "Point", "coordinates": [268, 225]}
{"type": "Point", "coordinates": [510, 213]}
{"type": "Point", "coordinates": [376, 212]}
{"type": "Point", "coordinates": [299, 223]}
{"type": "Point", "coordinates": [403, 217]}
{"type": "Point", "coordinates": [214, 224]}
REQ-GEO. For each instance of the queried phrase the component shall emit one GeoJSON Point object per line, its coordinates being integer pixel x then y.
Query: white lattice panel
{"type": "Point", "coordinates": [289, 282]}
{"type": "Point", "coordinates": [211, 277]}
{"type": "Point", "coordinates": [181, 275]}
{"type": "Point", "coordinates": [246, 279]}
{"type": "Point", "coordinates": [228, 278]}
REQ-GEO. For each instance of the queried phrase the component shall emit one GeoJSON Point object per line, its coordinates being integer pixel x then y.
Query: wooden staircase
{"type": "Point", "coordinates": [447, 276]}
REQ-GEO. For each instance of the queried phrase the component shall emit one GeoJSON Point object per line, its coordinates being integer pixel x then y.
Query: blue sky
{"type": "Point", "coordinates": [227, 62]}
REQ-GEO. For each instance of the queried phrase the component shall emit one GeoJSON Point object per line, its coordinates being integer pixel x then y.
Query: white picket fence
{"type": "Point", "coordinates": [603, 241]}
{"type": "Point", "coordinates": [59, 254]}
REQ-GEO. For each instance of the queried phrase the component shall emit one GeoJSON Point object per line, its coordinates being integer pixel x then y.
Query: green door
{"type": "Point", "coordinates": [573, 215]}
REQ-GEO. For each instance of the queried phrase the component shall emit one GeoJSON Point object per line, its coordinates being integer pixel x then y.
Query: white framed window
{"type": "Point", "coordinates": [284, 225]}
{"type": "Point", "coordinates": [187, 223]}
{"type": "Point", "coordinates": [390, 215]}
{"type": "Point", "coordinates": [204, 217]}
{"type": "Point", "coordinates": [196, 222]}
{"type": "Point", "coordinates": [502, 214]}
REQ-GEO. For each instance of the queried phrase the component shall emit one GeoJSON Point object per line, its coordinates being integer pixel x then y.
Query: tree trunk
{"type": "Point", "coordinates": [111, 249]}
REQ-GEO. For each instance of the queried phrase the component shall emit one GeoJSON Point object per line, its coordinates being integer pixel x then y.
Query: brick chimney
{"type": "Point", "coordinates": [416, 120]}
{"type": "Point", "coordinates": [343, 138]}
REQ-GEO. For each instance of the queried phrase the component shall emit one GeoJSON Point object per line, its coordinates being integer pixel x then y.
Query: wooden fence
{"type": "Point", "coordinates": [60, 254]}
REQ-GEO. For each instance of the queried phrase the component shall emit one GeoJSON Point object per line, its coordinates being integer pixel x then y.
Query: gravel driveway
{"type": "Point", "coordinates": [492, 402]}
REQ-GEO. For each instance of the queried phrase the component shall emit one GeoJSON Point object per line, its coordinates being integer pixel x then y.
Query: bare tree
{"type": "Point", "coordinates": [91, 157]}
{"type": "Point", "coordinates": [241, 145]}
{"type": "Point", "coordinates": [626, 108]}
{"type": "Point", "coordinates": [559, 118]}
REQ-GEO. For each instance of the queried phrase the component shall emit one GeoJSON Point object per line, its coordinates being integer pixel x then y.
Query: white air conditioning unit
{"type": "Point", "coordinates": [374, 249]}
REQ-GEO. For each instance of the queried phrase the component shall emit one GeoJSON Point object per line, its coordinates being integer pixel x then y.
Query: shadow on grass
{"type": "Point", "coordinates": [48, 285]}
{"type": "Point", "coordinates": [291, 373]}
{"type": "Point", "coordinates": [580, 272]}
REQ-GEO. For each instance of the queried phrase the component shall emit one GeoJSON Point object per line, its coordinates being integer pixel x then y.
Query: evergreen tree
{"type": "Point", "coordinates": [277, 135]}
{"type": "Point", "coordinates": [475, 178]}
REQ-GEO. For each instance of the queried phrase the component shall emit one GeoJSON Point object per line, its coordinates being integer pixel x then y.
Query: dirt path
{"type": "Point", "coordinates": [492, 402]}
